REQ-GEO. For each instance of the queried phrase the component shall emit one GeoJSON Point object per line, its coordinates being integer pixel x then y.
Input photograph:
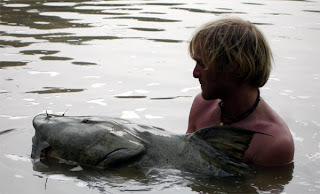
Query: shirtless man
{"type": "Point", "coordinates": [233, 60]}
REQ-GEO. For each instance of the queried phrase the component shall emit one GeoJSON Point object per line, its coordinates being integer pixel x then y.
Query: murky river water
{"type": "Point", "coordinates": [129, 59]}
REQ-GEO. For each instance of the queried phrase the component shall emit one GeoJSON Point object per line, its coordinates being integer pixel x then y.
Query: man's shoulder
{"type": "Point", "coordinates": [203, 113]}
{"type": "Point", "coordinates": [275, 131]}
{"type": "Point", "coordinates": [273, 148]}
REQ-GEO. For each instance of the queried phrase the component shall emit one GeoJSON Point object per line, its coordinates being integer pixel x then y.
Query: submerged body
{"type": "Point", "coordinates": [110, 142]}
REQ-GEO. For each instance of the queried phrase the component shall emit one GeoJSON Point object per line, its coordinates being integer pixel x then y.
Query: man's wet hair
{"type": "Point", "coordinates": [233, 42]}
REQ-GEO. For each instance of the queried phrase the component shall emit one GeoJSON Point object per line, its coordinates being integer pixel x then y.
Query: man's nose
{"type": "Point", "coordinates": [196, 71]}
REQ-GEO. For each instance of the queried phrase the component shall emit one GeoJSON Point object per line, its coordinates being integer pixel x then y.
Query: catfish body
{"type": "Point", "coordinates": [106, 142]}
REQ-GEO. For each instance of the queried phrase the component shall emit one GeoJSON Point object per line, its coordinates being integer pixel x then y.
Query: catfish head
{"type": "Point", "coordinates": [95, 141]}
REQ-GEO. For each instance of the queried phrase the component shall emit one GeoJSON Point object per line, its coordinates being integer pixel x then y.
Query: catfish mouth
{"type": "Point", "coordinates": [121, 157]}
{"type": "Point", "coordinates": [111, 154]}
{"type": "Point", "coordinates": [46, 152]}
{"type": "Point", "coordinates": [116, 158]}
{"type": "Point", "coordinates": [47, 156]}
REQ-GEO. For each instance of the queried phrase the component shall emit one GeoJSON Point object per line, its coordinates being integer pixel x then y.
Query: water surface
{"type": "Point", "coordinates": [130, 59]}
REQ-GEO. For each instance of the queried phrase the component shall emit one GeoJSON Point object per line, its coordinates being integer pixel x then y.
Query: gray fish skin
{"type": "Point", "coordinates": [107, 142]}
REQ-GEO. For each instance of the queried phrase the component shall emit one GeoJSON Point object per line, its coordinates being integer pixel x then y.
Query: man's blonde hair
{"type": "Point", "coordinates": [235, 42]}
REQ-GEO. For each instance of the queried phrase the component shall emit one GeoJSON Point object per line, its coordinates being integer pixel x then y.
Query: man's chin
{"type": "Point", "coordinates": [206, 96]}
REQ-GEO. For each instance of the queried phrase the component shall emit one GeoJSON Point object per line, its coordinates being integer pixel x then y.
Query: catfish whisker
{"type": "Point", "coordinates": [65, 112]}
{"type": "Point", "coordinates": [48, 115]}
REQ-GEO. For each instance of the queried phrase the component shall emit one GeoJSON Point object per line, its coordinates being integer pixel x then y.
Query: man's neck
{"type": "Point", "coordinates": [239, 100]}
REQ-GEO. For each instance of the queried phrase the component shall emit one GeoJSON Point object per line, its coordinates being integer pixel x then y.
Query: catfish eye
{"type": "Point", "coordinates": [85, 121]}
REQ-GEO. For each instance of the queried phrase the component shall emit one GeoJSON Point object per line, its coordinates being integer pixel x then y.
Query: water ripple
{"type": "Point", "coordinates": [208, 11]}
{"type": "Point", "coordinates": [53, 90]}
{"type": "Point", "coordinates": [4, 64]}
{"type": "Point", "coordinates": [146, 19]}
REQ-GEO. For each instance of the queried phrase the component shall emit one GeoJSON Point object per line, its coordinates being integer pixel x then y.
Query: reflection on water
{"type": "Point", "coordinates": [146, 19]}
{"type": "Point", "coordinates": [154, 98]}
{"type": "Point", "coordinates": [92, 53]}
{"type": "Point", "coordinates": [53, 90]}
{"type": "Point", "coordinates": [166, 40]}
{"type": "Point", "coordinates": [271, 180]}
{"type": "Point", "coordinates": [207, 11]}
{"type": "Point", "coordinates": [312, 11]}
{"type": "Point", "coordinates": [148, 29]}
{"type": "Point", "coordinates": [4, 64]}
{"type": "Point", "coordinates": [170, 98]}
{"type": "Point", "coordinates": [39, 52]}
{"type": "Point", "coordinates": [30, 15]}
{"type": "Point", "coordinates": [55, 58]}
{"type": "Point", "coordinates": [35, 15]}
{"type": "Point", "coordinates": [14, 43]}
{"type": "Point", "coordinates": [153, 179]}
{"type": "Point", "coordinates": [83, 63]}
{"type": "Point", "coordinates": [6, 131]}
{"type": "Point", "coordinates": [250, 3]}
{"type": "Point", "coordinates": [130, 96]}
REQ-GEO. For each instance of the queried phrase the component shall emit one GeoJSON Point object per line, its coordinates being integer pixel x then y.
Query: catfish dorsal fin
{"type": "Point", "coordinates": [231, 141]}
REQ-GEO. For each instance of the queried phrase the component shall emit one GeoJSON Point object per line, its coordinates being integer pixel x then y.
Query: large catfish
{"type": "Point", "coordinates": [112, 142]}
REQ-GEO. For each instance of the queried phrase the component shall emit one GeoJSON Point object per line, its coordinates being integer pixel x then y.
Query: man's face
{"type": "Point", "coordinates": [211, 80]}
